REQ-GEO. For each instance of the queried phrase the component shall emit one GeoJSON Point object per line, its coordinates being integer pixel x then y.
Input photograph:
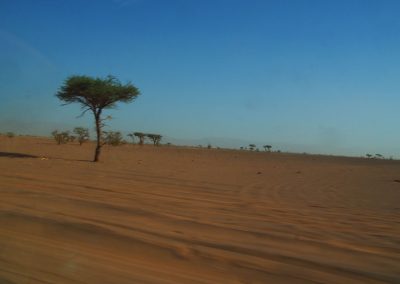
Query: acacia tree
{"type": "Point", "coordinates": [113, 138]}
{"type": "Point", "coordinates": [95, 95]}
{"type": "Point", "coordinates": [156, 138]}
{"type": "Point", "coordinates": [82, 133]}
{"type": "Point", "coordinates": [132, 137]}
{"type": "Point", "coordinates": [141, 137]}
{"type": "Point", "coordinates": [61, 137]}
{"type": "Point", "coordinates": [267, 147]}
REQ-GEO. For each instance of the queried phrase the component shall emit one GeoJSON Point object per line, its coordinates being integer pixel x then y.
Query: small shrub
{"type": "Point", "coordinates": [113, 138]}
{"type": "Point", "coordinates": [61, 137]}
{"type": "Point", "coordinates": [82, 133]}
{"type": "Point", "coordinates": [10, 134]}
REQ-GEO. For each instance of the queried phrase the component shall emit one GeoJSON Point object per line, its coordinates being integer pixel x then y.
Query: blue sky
{"type": "Point", "coordinates": [315, 76]}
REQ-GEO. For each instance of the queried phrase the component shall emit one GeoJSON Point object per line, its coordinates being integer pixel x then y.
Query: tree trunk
{"type": "Point", "coordinates": [98, 134]}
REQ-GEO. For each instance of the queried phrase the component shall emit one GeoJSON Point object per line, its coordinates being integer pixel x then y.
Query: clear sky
{"type": "Point", "coordinates": [316, 76]}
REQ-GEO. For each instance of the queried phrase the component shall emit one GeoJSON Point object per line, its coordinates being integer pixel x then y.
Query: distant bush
{"type": "Point", "coordinates": [209, 146]}
{"type": "Point", "coordinates": [61, 137]}
{"type": "Point", "coordinates": [113, 138]}
{"type": "Point", "coordinates": [10, 134]}
{"type": "Point", "coordinates": [82, 134]}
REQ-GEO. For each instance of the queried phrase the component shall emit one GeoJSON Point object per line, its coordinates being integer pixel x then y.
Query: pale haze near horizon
{"type": "Point", "coordinates": [304, 76]}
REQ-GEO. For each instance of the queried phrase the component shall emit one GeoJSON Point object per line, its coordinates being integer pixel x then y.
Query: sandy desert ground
{"type": "Point", "coordinates": [181, 215]}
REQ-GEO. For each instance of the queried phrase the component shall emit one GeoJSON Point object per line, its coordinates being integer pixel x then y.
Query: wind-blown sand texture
{"type": "Point", "coordinates": [181, 215]}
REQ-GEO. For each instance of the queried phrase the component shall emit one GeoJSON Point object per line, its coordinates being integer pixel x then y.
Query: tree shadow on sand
{"type": "Point", "coordinates": [21, 155]}
{"type": "Point", "coordinates": [71, 160]}
{"type": "Point", "coordinates": [16, 155]}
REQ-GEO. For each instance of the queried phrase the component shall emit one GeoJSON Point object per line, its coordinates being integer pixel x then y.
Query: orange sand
{"type": "Point", "coordinates": [181, 215]}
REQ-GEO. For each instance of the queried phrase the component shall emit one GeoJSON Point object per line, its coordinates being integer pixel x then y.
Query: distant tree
{"type": "Point", "coordinates": [252, 146]}
{"type": "Point", "coordinates": [141, 137]}
{"type": "Point", "coordinates": [241, 148]}
{"type": "Point", "coordinates": [156, 138]}
{"type": "Point", "coordinates": [95, 95]}
{"type": "Point", "coordinates": [132, 136]}
{"type": "Point", "coordinates": [82, 134]}
{"type": "Point", "coordinates": [267, 147]}
{"type": "Point", "coordinates": [55, 133]}
{"type": "Point", "coordinates": [368, 155]}
{"type": "Point", "coordinates": [10, 134]}
{"type": "Point", "coordinates": [113, 138]}
{"type": "Point", "coordinates": [209, 146]}
{"type": "Point", "coordinates": [379, 156]}
{"type": "Point", "coordinates": [71, 138]}
{"type": "Point", "coordinates": [61, 137]}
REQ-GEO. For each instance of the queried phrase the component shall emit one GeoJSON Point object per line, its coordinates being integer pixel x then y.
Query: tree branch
{"type": "Point", "coordinates": [79, 116]}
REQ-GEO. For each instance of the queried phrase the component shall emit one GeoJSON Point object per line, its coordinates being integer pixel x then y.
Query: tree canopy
{"type": "Point", "coordinates": [156, 138]}
{"type": "Point", "coordinates": [141, 137]}
{"type": "Point", "coordinates": [96, 94]}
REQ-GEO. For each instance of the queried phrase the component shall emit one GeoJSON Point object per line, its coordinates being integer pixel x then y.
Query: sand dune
{"type": "Point", "coordinates": [181, 215]}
